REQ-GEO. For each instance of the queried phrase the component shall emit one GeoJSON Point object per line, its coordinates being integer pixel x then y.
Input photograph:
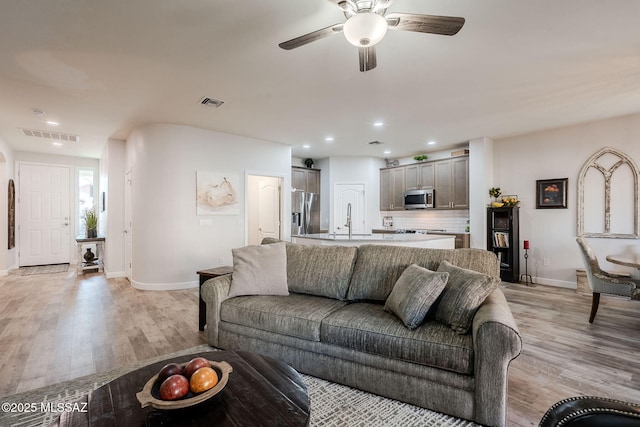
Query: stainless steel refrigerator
{"type": "Point", "coordinates": [305, 213]}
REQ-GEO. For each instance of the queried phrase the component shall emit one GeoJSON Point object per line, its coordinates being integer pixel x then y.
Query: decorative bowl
{"type": "Point", "coordinates": [150, 394]}
{"type": "Point", "coordinates": [497, 204]}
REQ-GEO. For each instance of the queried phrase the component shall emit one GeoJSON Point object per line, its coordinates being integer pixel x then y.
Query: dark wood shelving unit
{"type": "Point", "coordinates": [503, 239]}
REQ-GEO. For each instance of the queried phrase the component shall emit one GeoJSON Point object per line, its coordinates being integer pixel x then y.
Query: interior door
{"type": "Point", "coordinates": [127, 225]}
{"type": "Point", "coordinates": [264, 208]}
{"type": "Point", "coordinates": [345, 194]}
{"type": "Point", "coordinates": [44, 214]}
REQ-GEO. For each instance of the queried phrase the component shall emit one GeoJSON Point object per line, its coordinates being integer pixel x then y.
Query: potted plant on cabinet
{"type": "Point", "coordinates": [90, 217]}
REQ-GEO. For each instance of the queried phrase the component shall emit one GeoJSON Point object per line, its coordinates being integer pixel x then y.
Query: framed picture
{"type": "Point", "coordinates": [216, 193]}
{"type": "Point", "coordinates": [551, 193]}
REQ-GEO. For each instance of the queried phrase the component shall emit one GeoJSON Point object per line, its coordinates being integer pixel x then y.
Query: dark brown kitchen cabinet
{"type": "Point", "coordinates": [452, 183]}
{"type": "Point", "coordinates": [392, 187]}
{"type": "Point", "coordinates": [305, 179]}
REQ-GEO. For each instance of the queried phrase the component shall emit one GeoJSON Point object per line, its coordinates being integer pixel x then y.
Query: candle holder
{"type": "Point", "coordinates": [528, 279]}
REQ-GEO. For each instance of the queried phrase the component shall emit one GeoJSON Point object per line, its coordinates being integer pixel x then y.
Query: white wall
{"type": "Point", "coordinates": [112, 171]}
{"type": "Point", "coordinates": [169, 242]}
{"type": "Point", "coordinates": [519, 161]}
{"type": "Point", "coordinates": [7, 256]}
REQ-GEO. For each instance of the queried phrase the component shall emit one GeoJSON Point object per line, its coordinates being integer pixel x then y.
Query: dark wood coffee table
{"type": "Point", "coordinates": [261, 392]}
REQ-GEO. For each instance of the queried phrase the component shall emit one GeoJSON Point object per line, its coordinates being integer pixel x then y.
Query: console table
{"type": "Point", "coordinates": [98, 261]}
{"type": "Point", "coordinates": [204, 276]}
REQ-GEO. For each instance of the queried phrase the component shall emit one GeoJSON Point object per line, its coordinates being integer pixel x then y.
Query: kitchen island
{"type": "Point", "coordinates": [437, 241]}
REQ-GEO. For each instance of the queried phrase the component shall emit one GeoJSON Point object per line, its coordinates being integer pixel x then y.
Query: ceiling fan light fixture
{"type": "Point", "coordinates": [365, 29]}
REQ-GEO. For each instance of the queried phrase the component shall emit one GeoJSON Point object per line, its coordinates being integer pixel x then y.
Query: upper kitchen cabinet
{"type": "Point", "coordinates": [452, 183]}
{"type": "Point", "coordinates": [392, 187]}
{"type": "Point", "coordinates": [420, 176]}
{"type": "Point", "coordinates": [305, 179]}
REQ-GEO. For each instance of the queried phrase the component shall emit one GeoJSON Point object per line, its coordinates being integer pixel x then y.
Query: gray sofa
{"type": "Point", "coordinates": [333, 325]}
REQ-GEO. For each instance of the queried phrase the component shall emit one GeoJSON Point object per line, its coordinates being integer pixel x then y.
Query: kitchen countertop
{"type": "Point", "coordinates": [394, 237]}
{"type": "Point", "coordinates": [436, 241]}
{"type": "Point", "coordinates": [401, 231]}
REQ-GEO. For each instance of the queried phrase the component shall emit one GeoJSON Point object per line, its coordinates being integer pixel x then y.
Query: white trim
{"type": "Point", "coordinates": [115, 274]}
{"type": "Point", "coordinates": [554, 282]}
{"type": "Point", "coordinates": [164, 286]}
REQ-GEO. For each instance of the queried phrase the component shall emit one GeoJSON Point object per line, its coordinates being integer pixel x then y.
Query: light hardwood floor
{"type": "Point", "coordinates": [55, 327]}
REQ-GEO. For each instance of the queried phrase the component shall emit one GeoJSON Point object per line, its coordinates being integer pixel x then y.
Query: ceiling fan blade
{"type": "Point", "coordinates": [444, 25]}
{"type": "Point", "coordinates": [367, 56]}
{"type": "Point", "coordinates": [311, 37]}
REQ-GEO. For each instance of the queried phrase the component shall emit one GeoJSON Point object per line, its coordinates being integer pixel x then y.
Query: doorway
{"type": "Point", "coordinates": [44, 214]}
{"type": "Point", "coordinates": [343, 196]}
{"type": "Point", "coordinates": [264, 208]}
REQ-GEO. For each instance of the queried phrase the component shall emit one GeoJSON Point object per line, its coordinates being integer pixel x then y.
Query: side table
{"type": "Point", "coordinates": [98, 261]}
{"type": "Point", "coordinates": [204, 276]}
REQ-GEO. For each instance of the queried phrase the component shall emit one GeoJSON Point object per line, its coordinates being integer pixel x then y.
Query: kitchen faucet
{"type": "Point", "coordinates": [348, 224]}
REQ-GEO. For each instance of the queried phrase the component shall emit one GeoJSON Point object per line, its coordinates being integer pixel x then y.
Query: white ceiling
{"type": "Point", "coordinates": [102, 68]}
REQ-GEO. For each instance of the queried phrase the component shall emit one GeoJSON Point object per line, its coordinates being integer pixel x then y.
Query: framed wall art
{"type": "Point", "coordinates": [216, 193]}
{"type": "Point", "coordinates": [551, 193]}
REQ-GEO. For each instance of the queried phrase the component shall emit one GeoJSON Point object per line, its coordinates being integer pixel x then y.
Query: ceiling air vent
{"type": "Point", "coordinates": [376, 143]}
{"type": "Point", "coordinates": [53, 136]}
{"type": "Point", "coordinates": [210, 102]}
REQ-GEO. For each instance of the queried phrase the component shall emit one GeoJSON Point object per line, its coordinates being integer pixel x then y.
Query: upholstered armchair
{"type": "Point", "coordinates": [587, 411]}
{"type": "Point", "coordinates": [602, 282]}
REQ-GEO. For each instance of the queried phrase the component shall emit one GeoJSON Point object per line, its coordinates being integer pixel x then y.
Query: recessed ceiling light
{"type": "Point", "coordinates": [52, 123]}
{"type": "Point", "coordinates": [387, 151]}
{"type": "Point", "coordinates": [57, 144]}
{"type": "Point", "coordinates": [378, 124]}
{"type": "Point", "coordinates": [306, 146]}
{"type": "Point", "coordinates": [431, 143]}
{"type": "Point", "coordinates": [329, 139]}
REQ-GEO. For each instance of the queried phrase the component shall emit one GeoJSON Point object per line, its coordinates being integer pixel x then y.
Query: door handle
{"type": "Point", "coordinates": [66, 223]}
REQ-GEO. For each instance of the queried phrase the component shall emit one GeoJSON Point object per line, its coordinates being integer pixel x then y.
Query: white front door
{"type": "Point", "coordinates": [44, 214]}
{"type": "Point", "coordinates": [263, 208]}
{"type": "Point", "coordinates": [345, 195]}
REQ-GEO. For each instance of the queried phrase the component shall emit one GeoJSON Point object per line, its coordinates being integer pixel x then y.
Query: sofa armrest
{"type": "Point", "coordinates": [214, 292]}
{"type": "Point", "coordinates": [496, 342]}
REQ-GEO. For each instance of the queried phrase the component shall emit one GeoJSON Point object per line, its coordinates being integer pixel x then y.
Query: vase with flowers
{"type": "Point", "coordinates": [495, 192]}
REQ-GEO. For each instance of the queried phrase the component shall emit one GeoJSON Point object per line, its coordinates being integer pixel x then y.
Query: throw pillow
{"type": "Point", "coordinates": [259, 270]}
{"type": "Point", "coordinates": [414, 293]}
{"type": "Point", "coordinates": [466, 290]}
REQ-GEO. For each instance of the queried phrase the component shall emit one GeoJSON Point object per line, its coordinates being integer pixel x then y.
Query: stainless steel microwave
{"type": "Point", "coordinates": [419, 199]}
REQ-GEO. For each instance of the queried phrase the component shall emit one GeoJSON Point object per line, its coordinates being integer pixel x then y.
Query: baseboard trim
{"type": "Point", "coordinates": [554, 282]}
{"type": "Point", "coordinates": [163, 286]}
{"type": "Point", "coordinates": [115, 274]}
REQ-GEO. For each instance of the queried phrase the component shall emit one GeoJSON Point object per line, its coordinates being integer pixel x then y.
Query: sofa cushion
{"type": "Point", "coordinates": [367, 327]}
{"type": "Point", "coordinates": [466, 290]}
{"type": "Point", "coordinates": [320, 270]}
{"type": "Point", "coordinates": [379, 267]}
{"type": "Point", "coordinates": [294, 315]}
{"type": "Point", "coordinates": [414, 293]}
{"type": "Point", "coordinates": [259, 270]}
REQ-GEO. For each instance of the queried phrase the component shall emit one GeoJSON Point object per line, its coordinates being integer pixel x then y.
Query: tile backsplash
{"type": "Point", "coordinates": [454, 221]}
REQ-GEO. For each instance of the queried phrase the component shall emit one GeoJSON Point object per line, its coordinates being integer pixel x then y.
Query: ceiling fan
{"type": "Point", "coordinates": [367, 23]}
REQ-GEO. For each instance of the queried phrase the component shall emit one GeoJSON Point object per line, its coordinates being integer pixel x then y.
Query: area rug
{"type": "Point", "coordinates": [44, 269]}
{"type": "Point", "coordinates": [332, 405]}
